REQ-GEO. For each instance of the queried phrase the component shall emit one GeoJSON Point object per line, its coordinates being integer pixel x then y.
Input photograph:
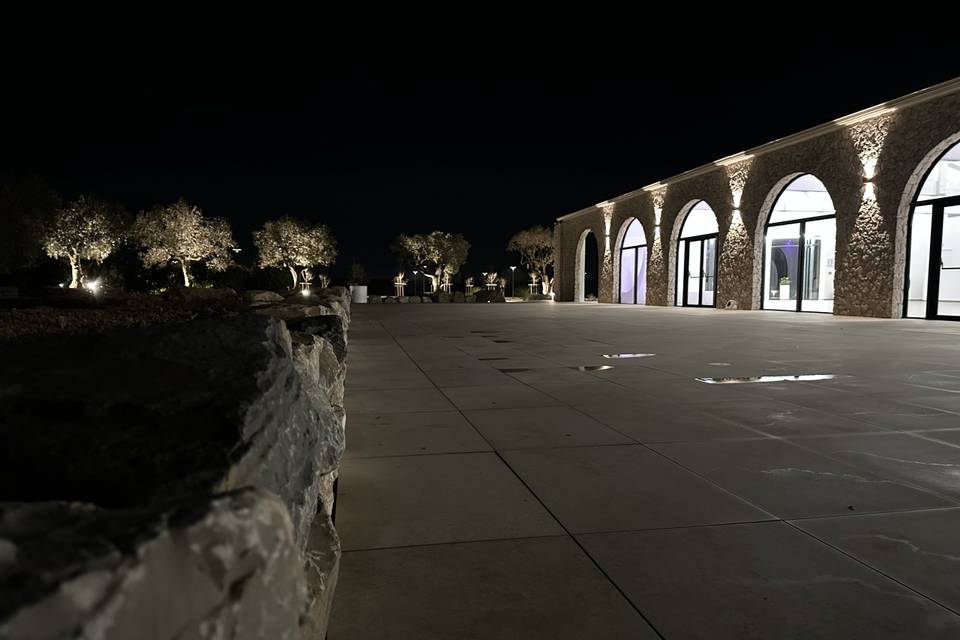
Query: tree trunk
{"type": "Point", "coordinates": [186, 277]}
{"type": "Point", "coordinates": [546, 283]}
{"type": "Point", "coordinates": [433, 282]}
{"type": "Point", "coordinates": [293, 274]}
{"type": "Point", "coordinates": [74, 272]}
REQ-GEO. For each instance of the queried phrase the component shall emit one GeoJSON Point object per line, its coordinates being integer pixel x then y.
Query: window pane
{"type": "Point", "coordinates": [782, 260]}
{"type": "Point", "coordinates": [699, 221]}
{"type": "Point", "coordinates": [805, 197]}
{"type": "Point", "coordinates": [634, 236]}
{"type": "Point", "coordinates": [818, 265]}
{"type": "Point", "coordinates": [919, 270]}
{"type": "Point", "coordinates": [944, 179]}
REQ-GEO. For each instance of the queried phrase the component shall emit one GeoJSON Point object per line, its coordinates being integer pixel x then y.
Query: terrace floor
{"type": "Point", "coordinates": [491, 489]}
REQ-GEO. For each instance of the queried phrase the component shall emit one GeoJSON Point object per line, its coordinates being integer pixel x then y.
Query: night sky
{"type": "Point", "coordinates": [374, 150]}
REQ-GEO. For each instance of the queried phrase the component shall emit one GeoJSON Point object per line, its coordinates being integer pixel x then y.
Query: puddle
{"type": "Point", "coordinates": [487, 359]}
{"type": "Point", "coordinates": [594, 367]}
{"type": "Point", "coordinates": [503, 341]}
{"type": "Point", "coordinates": [512, 370]}
{"type": "Point", "coordinates": [628, 355]}
{"type": "Point", "coordinates": [754, 379]}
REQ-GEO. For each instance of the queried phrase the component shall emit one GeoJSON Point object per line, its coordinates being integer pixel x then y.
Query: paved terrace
{"type": "Point", "coordinates": [492, 490]}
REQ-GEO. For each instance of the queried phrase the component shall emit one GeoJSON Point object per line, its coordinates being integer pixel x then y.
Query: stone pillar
{"type": "Point", "coordinates": [866, 267]}
{"type": "Point", "coordinates": [657, 285]}
{"type": "Point", "coordinates": [735, 272]}
{"type": "Point", "coordinates": [605, 285]}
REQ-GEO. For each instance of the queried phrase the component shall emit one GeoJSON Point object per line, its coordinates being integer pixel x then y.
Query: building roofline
{"type": "Point", "coordinates": [909, 100]}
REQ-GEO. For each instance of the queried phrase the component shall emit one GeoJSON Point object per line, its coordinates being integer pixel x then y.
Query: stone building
{"type": "Point", "coordinates": [858, 216]}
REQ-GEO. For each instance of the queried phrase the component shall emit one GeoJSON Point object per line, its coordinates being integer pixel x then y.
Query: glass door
{"type": "Point", "coordinates": [709, 271]}
{"type": "Point", "coordinates": [640, 287]}
{"type": "Point", "coordinates": [819, 249]}
{"type": "Point", "coordinates": [699, 259]}
{"type": "Point", "coordinates": [945, 271]}
{"type": "Point", "coordinates": [694, 272]}
{"type": "Point", "coordinates": [628, 269]}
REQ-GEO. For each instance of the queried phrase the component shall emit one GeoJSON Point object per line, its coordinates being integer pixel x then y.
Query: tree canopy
{"type": "Point", "coordinates": [535, 246]}
{"type": "Point", "coordinates": [441, 252]}
{"type": "Point", "coordinates": [85, 229]}
{"type": "Point", "coordinates": [294, 244]}
{"type": "Point", "coordinates": [180, 234]}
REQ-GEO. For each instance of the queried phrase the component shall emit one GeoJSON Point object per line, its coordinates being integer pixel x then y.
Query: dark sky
{"type": "Point", "coordinates": [374, 150]}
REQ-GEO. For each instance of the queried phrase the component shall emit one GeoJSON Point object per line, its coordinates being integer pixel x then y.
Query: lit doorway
{"type": "Point", "coordinates": [800, 249]}
{"type": "Point", "coordinates": [696, 284]}
{"type": "Point", "coordinates": [933, 262]}
{"type": "Point", "coordinates": [633, 265]}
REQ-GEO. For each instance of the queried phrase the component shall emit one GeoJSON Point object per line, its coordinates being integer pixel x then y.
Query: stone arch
{"type": "Point", "coordinates": [763, 218]}
{"type": "Point", "coordinates": [672, 266]}
{"type": "Point", "coordinates": [615, 289]}
{"type": "Point", "coordinates": [914, 182]}
{"type": "Point", "coordinates": [579, 284]}
{"type": "Point", "coordinates": [760, 233]}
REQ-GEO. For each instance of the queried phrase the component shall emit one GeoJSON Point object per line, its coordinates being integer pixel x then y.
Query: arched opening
{"type": "Point", "coordinates": [696, 271]}
{"type": "Point", "coordinates": [631, 268]}
{"type": "Point", "coordinates": [799, 247]}
{"type": "Point", "coordinates": [933, 249]}
{"type": "Point", "coordinates": [587, 267]}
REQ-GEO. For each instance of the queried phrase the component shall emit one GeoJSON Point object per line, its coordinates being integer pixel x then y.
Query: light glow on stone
{"type": "Point", "coordinates": [736, 219]}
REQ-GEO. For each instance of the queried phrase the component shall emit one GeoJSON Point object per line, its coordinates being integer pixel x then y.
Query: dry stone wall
{"type": "Point", "coordinates": [176, 481]}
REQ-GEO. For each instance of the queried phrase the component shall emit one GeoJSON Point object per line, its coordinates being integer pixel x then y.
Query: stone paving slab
{"type": "Point", "coordinates": [771, 510]}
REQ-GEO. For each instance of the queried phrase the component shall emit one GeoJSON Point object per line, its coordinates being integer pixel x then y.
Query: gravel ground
{"type": "Point", "coordinates": [135, 311]}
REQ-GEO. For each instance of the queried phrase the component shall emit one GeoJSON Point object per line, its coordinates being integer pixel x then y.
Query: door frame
{"type": "Point", "coordinates": [937, 205]}
{"type": "Point", "coordinates": [801, 259]}
{"type": "Point", "coordinates": [636, 267]}
{"type": "Point", "coordinates": [686, 271]}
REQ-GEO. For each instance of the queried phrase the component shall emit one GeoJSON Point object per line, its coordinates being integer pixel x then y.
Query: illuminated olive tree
{"type": "Point", "coordinates": [180, 234]}
{"type": "Point", "coordinates": [535, 246]}
{"type": "Point", "coordinates": [295, 244]}
{"type": "Point", "coordinates": [443, 253]}
{"type": "Point", "coordinates": [85, 229]}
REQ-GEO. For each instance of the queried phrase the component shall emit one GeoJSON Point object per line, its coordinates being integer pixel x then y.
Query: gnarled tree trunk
{"type": "Point", "coordinates": [293, 274]}
{"type": "Point", "coordinates": [74, 272]}
{"type": "Point", "coordinates": [186, 276]}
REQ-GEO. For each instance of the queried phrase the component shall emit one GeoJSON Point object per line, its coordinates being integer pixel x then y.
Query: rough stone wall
{"type": "Point", "coordinates": [176, 481]}
{"type": "Point", "coordinates": [916, 136]}
{"type": "Point", "coordinates": [570, 232]}
{"type": "Point", "coordinates": [714, 189]}
{"type": "Point", "coordinates": [832, 158]}
{"type": "Point", "coordinates": [871, 231]}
